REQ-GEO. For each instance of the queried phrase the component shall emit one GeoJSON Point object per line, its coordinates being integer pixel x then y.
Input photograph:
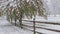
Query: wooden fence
{"type": "Point", "coordinates": [34, 26]}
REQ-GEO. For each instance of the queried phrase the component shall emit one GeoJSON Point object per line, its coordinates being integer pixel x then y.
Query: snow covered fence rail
{"type": "Point", "coordinates": [41, 27]}
{"type": "Point", "coordinates": [54, 23]}
{"type": "Point", "coordinates": [37, 27]}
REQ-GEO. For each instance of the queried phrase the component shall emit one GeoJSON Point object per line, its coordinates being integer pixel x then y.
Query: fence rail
{"type": "Point", "coordinates": [34, 26]}
{"type": "Point", "coordinates": [54, 23]}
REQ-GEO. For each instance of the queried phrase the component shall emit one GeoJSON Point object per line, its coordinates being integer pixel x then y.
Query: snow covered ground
{"type": "Point", "coordinates": [46, 28]}
{"type": "Point", "coordinates": [7, 28]}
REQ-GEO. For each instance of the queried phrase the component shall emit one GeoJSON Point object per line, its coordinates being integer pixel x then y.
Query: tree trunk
{"type": "Point", "coordinates": [11, 18]}
{"type": "Point", "coordinates": [15, 20]}
{"type": "Point", "coordinates": [20, 20]}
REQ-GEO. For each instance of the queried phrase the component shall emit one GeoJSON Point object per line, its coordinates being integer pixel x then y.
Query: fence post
{"type": "Point", "coordinates": [34, 25]}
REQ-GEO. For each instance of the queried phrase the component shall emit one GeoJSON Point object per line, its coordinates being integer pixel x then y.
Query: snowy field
{"type": "Point", "coordinates": [46, 28]}
{"type": "Point", "coordinates": [7, 28]}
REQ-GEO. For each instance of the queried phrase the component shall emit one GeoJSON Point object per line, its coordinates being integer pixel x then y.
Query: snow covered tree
{"type": "Point", "coordinates": [26, 8]}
